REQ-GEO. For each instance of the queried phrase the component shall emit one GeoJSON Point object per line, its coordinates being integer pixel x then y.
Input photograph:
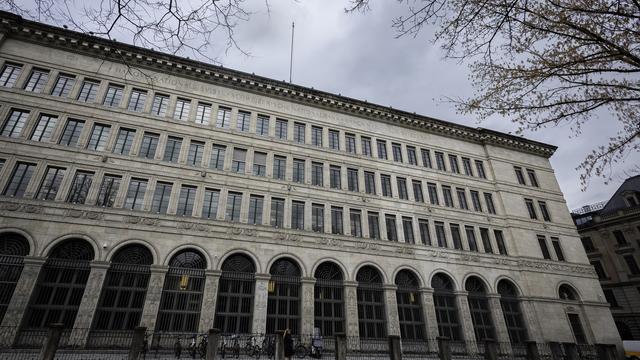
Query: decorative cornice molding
{"type": "Point", "coordinates": [16, 27]}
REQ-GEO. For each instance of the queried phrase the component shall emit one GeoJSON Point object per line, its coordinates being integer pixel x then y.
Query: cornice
{"type": "Point", "coordinates": [16, 27]}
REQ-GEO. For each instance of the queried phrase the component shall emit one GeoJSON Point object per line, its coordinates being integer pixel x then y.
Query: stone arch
{"type": "Point", "coordinates": [412, 269]}
{"type": "Point", "coordinates": [126, 243]}
{"type": "Point", "coordinates": [338, 263]}
{"type": "Point", "coordinates": [510, 280]}
{"type": "Point", "coordinates": [480, 283]}
{"type": "Point", "coordinates": [181, 257]}
{"type": "Point", "coordinates": [505, 284]}
{"type": "Point", "coordinates": [256, 262]}
{"type": "Point", "coordinates": [566, 291]}
{"type": "Point", "coordinates": [97, 254]}
{"type": "Point", "coordinates": [486, 283]}
{"type": "Point", "coordinates": [435, 272]}
{"type": "Point", "coordinates": [294, 258]}
{"type": "Point", "coordinates": [357, 269]}
{"type": "Point", "coordinates": [32, 244]}
{"type": "Point", "coordinates": [180, 248]}
{"type": "Point", "coordinates": [411, 278]}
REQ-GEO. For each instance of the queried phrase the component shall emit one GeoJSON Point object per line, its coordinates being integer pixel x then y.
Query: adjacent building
{"type": "Point", "coordinates": [610, 234]}
{"type": "Point", "coordinates": [139, 188]}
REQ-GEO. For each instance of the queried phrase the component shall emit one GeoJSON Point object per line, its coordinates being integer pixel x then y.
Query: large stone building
{"type": "Point", "coordinates": [139, 188]}
{"type": "Point", "coordinates": [610, 233]}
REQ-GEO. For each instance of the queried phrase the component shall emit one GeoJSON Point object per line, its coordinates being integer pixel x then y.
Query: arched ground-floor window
{"type": "Point", "coordinates": [512, 313]}
{"type": "Point", "coordinates": [283, 303]}
{"type": "Point", "coordinates": [328, 298]}
{"type": "Point", "coordinates": [446, 309]}
{"type": "Point", "coordinates": [479, 308]}
{"type": "Point", "coordinates": [372, 320]}
{"type": "Point", "coordinates": [409, 306]}
{"type": "Point", "coordinates": [13, 249]}
{"type": "Point", "coordinates": [234, 307]}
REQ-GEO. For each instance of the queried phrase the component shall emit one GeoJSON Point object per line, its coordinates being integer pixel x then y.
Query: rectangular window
{"type": "Point", "coordinates": [433, 194]}
{"type": "Point", "coordinates": [426, 158]}
{"type": "Point", "coordinates": [374, 225]}
{"type": "Point", "coordinates": [203, 114]}
{"type": "Point", "coordinates": [44, 128]}
{"type": "Point", "coordinates": [216, 162]}
{"type": "Point", "coordinates": [277, 213]}
{"type": "Point", "coordinates": [224, 117]}
{"type": "Point", "coordinates": [411, 155]}
{"type": "Point", "coordinates": [196, 149]}
{"type": "Point", "coordinates": [542, 241]}
{"type": "Point", "coordinates": [366, 146]}
{"type": "Point", "coordinates": [317, 218]}
{"type": "Point", "coordinates": [183, 107]}
{"type": "Point", "coordinates": [544, 211]}
{"type": "Point", "coordinates": [441, 236]}
{"type": "Point", "coordinates": [369, 182]}
{"type": "Point", "coordinates": [397, 152]}
{"type": "Point", "coordinates": [425, 237]}
{"type": "Point", "coordinates": [576, 327]}
{"type": "Point", "coordinates": [161, 196]}
{"type": "Point", "coordinates": [471, 238]}
{"type": "Point", "coordinates": [71, 133]}
{"type": "Point", "coordinates": [63, 85]}
{"type": "Point", "coordinates": [51, 183]}
{"type": "Point", "coordinates": [113, 96]}
{"type": "Point", "coordinates": [355, 217]}
{"type": "Point", "coordinates": [256, 203]}
{"type": "Point", "coordinates": [407, 229]}
{"type": "Point", "coordinates": [279, 167]}
{"type": "Point", "coordinates": [135, 194]}
{"type": "Point", "coordinates": [159, 105]}
{"type": "Point", "coordinates": [262, 125]}
{"type": "Point", "coordinates": [532, 177]}
{"type": "Point", "coordinates": [317, 170]}
{"type": "Point", "coordinates": [316, 136]}
{"type": "Point", "coordinates": [486, 240]}
{"type": "Point", "coordinates": [448, 197]}
{"type": "Point", "coordinates": [89, 90]}
{"type": "Point", "coordinates": [456, 237]}
{"type": "Point", "coordinates": [392, 229]}
{"type": "Point", "coordinates": [440, 161]}
{"type": "Point", "coordinates": [602, 275]}
{"type": "Point", "coordinates": [259, 164]}
{"type": "Point", "coordinates": [9, 75]}
{"type": "Point", "coordinates": [417, 191]}
{"type": "Point", "coordinates": [385, 181]}
{"type": "Point", "coordinates": [108, 190]}
{"type": "Point", "coordinates": [239, 160]}
{"type": "Point", "coordinates": [124, 141]}
{"type": "Point", "coordinates": [502, 248]}
{"type": "Point", "coordinates": [382, 149]}
{"type": "Point", "coordinates": [488, 199]}
{"type": "Point", "coordinates": [531, 209]}
{"type": "Point", "coordinates": [453, 164]}
{"type": "Point", "coordinates": [19, 180]}
{"type": "Point", "coordinates": [403, 194]}
{"type": "Point", "coordinates": [466, 165]}
{"type": "Point", "coordinates": [587, 243]}
{"type": "Point", "coordinates": [137, 100]}
{"type": "Point", "coordinates": [149, 145]}
{"type": "Point", "coordinates": [609, 296]}
{"type": "Point", "coordinates": [37, 80]}
{"type": "Point", "coordinates": [281, 129]}
{"type": "Point", "coordinates": [243, 121]}
{"type": "Point", "coordinates": [555, 242]}
{"type": "Point", "coordinates": [99, 136]}
{"type": "Point", "coordinates": [519, 175]}
{"type": "Point", "coordinates": [462, 199]}
{"type": "Point", "coordinates": [298, 170]}
{"type": "Point", "coordinates": [352, 180]}
{"type": "Point", "coordinates": [335, 177]}
{"type": "Point", "coordinates": [350, 143]}
{"type": "Point", "coordinates": [480, 169]}
{"type": "Point", "coordinates": [298, 132]}
{"type": "Point", "coordinates": [210, 203]}
{"type": "Point", "coordinates": [334, 139]}
{"type": "Point", "coordinates": [15, 123]}
{"type": "Point", "coordinates": [172, 149]}
{"type": "Point", "coordinates": [475, 200]}
{"type": "Point", "coordinates": [234, 203]}
{"type": "Point", "coordinates": [336, 220]}
{"type": "Point", "coordinates": [620, 239]}
{"type": "Point", "coordinates": [632, 264]}
{"type": "Point", "coordinates": [80, 187]}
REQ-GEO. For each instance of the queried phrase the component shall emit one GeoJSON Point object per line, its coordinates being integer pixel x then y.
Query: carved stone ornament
{"type": "Point", "coordinates": [74, 213]}
{"type": "Point", "coordinates": [32, 209]}
{"type": "Point", "coordinates": [93, 215]}
{"type": "Point", "coordinates": [132, 219]}
{"type": "Point", "coordinates": [149, 221]}
{"type": "Point", "coordinates": [287, 237]}
{"type": "Point", "coordinates": [329, 242]}
{"type": "Point", "coordinates": [10, 206]}
{"type": "Point", "coordinates": [405, 250]}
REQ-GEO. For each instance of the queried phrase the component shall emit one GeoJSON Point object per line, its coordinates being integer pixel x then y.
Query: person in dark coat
{"type": "Point", "coordinates": [288, 344]}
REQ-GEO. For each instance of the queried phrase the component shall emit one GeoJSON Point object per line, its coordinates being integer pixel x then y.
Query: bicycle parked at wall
{"type": "Point", "coordinates": [198, 348]}
{"type": "Point", "coordinates": [231, 346]}
{"type": "Point", "coordinates": [314, 350]}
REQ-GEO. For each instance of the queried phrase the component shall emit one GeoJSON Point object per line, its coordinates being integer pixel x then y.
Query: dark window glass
{"type": "Point", "coordinates": [555, 242]}
{"type": "Point", "coordinates": [385, 180]}
{"type": "Point", "coordinates": [441, 236]}
{"type": "Point", "coordinates": [456, 237]}
{"type": "Point", "coordinates": [172, 149]}
{"type": "Point", "coordinates": [262, 125]}
{"type": "Point", "coordinates": [186, 200]}
{"type": "Point", "coordinates": [352, 180]}
{"type": "Point", "coordinates": [382, 149]}
{"type": "Point", "coordinates": [542, 241]}
{"type": "Point", "coordinates": [161, 196]}
{"type": "Point", "coordinates": [71, 132]}
{"type": "Point", "coordinates": [355, 217]}
{"type": "Point", "coordinates": [480, 169]}
{"type": "Point", "coordinates": [597, 266]}
{"type": "Point", "coordinates": [407, 229]}
{"type": "Point", "coordinates": [298, 170]}
{"type": "Point", "coordinates": [15, 123]}
{"type": "Point", "coordinates": [281, 129]}
{"type": "Point", "coordinates": [279, 167]}
{"type": "Point", "coordinates": [108, 190]}
{"type": "Point", "coordinates": [336, 220]}
{"type": "Point", "coordinates": [411, 155]}
{"type": "Point", "coordinates": [425, 236]}
{"type": "Point", "coordinates": [210, 203]}
{"type": "Point", "coordinates": [334, 139]}
{"type": "Point", "coordinates": [448, 198]}
{"type": "Point", "coordinates": [486, 240]}
{"type": "Point", "coordinates": [317, 217]}
{"type": "Point", "coordinates": [149, 146]}
{"type": "Point", "coordinates": [532, 178]}
{"type": "Point", "coordinates": [218, 153]}
{"type": "Point", "coordinates": [519, 175]}
{"type": "Point", "coordinates": [44, 128]}
{"type": "Point", "coordinates": [374, 225]}
{"type": "Point", "coordinates": [471, 238]}
{"type": "Point", "coordinates": [335, 177]}
{"type": "Point", "coordinates": [402, 188]}
{"type": "Point", "coordinates": [466, 165]}
{"type": "Point", "coordinates": [632, 264]}
{"type": "Point", "coordinates": [297, 215]}
{"type": "Point", "coordinates": [9, 75]}
{"type": "Point", "coordinates": [256, 203]}
{"type": "Point", "coordinates": [417, 191]}
{"type": "Point", "coordinates": [531, 209]}
{"type": "Point", "coordinates": [369, 182]}
{"type": "Point", "coordinates": [194, 157]}
{"type": "Point", "coordinates": [453, 164]}
{"type": "Point", "coordinates": [298, 132]}
{"type": "Point", "coordinates": [397, 152]}
{"type": "Point", "coordinates": [316, 136]}
{"type": "Point", "coordinates": [502, 248]}
{"type": "Point", "coordinates": [544, 211]}
{"type": "Point", "coordinates": [426, 158]}
{"type": "Point", "coordinates": [366, 146]}
{"type": "Point", "coordinates": [440, 161]}
{"type": "Point", "coordinates": [99, 136]}
{"type": "Point", "coordinates": [80, 187]}
{"type": "Point", "coordinates": [234, 203]}
{"type": "Point", "coordinates": [124, 141]}
{"type": "Point", "coordinates": [462, 199]}
{"type": "Point", "coordinates": [350, 143]}
{"type": "Point", "coordinates": [17, 184]}
{"type": "Point", "coordinates": [277, 212]}
{"type": "Point", "coordinates": [488, 199]}
{"type": "Point", "coordinates": [392, 229]}
{"type": "Point", "coordinates": [135, 194]}
{"type": "Point", "coordinates": [51, 183]}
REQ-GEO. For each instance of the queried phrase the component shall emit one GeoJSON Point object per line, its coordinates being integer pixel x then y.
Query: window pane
{"type": "Point", "coordinates": [88, 91]}
{"type": "Point", "coordinates": [51, 183]}
{"type": "Point", "coordinates": [210, 203]}
{"type": "Point", "coordinates": [217, 157]}
{"type": "Point", "coordinates": [161, 197]}
{"type": "Point", "coordinates": [243, 121]}
{"type": "Point", "coordinates": [298, 170]}
{"type": "Point", "coordinates": [63, 85]}
{"type": "Point", "coordinates": [183, 107]}
{"type": "Point", "coordinates": [124, 141]}
{"type": "Point", "coordinates": [80, 187]}
{"type": "Point", "coordinates": [366, 146]}
{"type": "Point", "coordinates": [385, 180]}
{"type": "Point", "coordinates": [113, 96]}
{"type": "Point", "coordinates": [137, 100]}
{"type": "Point", "coordinates": [317, 218]}
{"type": "Point", "coordinates": [224, 117]}
{"type": "Point", "coordinates": [317, 170]}
{"type": "Point", "coordinates": [279, 167]}
{"type": "Point", "coordinates": [10, 74]}
{"type": "Point", "coordinates": [15, 123]}
{"type": "Point", "coordinates": [350, 143]}
{"type": "Point", "coordinates": [149, 146]}
{"type": "Point", "coordinates": [374, 225]}
{"type": "Point", "coordinates": [234, 202]}
{"type": "Point", "coordinates": [196, 149]}
{"type": "Point", "coordinates": [335, 178]}
{"type": "Point", "coordinates": [239, 159]}
{"type": "Point", "coordinates": [172, 149]}
{"type": "Point", "coordinates": [159, 106]}
{"type": "Point", "coordinates": [203, 114]}
{"type": "Point", "coordinates": [71, 133]}
{"type": "Point", "coordinates": [99, 137]}
{"type": "Point", "coordinates": [502, 249]}
{"type": "Point", "coordinates": [45, 127]}
{"type": "Point", "coordinates": [336, 220]}
{"type": "Point", "coordinates": [281, 128]}
{"type": "Point", "coordinates": [256, 204]}
{"type": "Point", "coordinates": [392, 231]}
{"type": "Point", "coordinates": [397, 152]}
{"type": "Point", "coordinates": [297, 215]}
{"type": "Point", "coordinates": [299, 132]}
{"type": "Point", "coordinates": [262, 125]}
{"type": "Point", "coordinates": [277, 213]}
{"type": "Point", "coordinates": [135, 194]}
{"type": "Point", "coordinates": [37, 80]}
{"type": "Point", "coordinates": [108, 190]}
{"type": "Point", "coordinates": [355, 218]}
{"type": "Point", "coordinates": [382, 149]}
{"type": "Point", "coordinates": [186, 200]}
{"type": "Point", "coordinates": [19, 180]}
{"type": "Point", "coordinates": [352, 179]}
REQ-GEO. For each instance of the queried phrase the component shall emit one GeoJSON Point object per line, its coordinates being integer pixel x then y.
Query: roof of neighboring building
{"type": "Point", "coordinates": [617, 201]}
{"type": "Point", "coordinates": [589, 215]}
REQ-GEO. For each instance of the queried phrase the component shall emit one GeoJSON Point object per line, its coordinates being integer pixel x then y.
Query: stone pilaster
{"type": "Point", "coordinates": [260, 297]}
{"type": "Point", "coordinates": [497, 317]}
{"type": "Point", "coordinates": [466, 323]}
{"type": "Point", "coordinates": [527, 307]}
{"type": "Point", "coordinates": [152, 299]}
{"type": "Point", "coordinates": [208, 310]}
{"type": "Point", "coordinates": [393, 320]}
{"type": "Point", "coordinates": [351, 308]}
{"type": "Point", "coordinates": [307, 318]}
{"type": "Point", "coordinates": [429, 310]}
{"type": "Point", "coordinates": [89, 302]}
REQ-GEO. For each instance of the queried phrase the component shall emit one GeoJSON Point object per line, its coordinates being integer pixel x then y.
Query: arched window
{"type": "Point", "coordinates": [124, 289]}
{"type": "Point", "coordinates": [479, 307]}
{"type": "Point", "coordinates": [60, 286]}
{"type": "Point", "coordinates": [512, 313]}
{"type": "Point", "coordinates": [181, 299]}
{"type": "Point", "coordinates": [372, 320]}
{"type": "Point", "coordinates": [566, 292]}
{"type": "Point", "coordinates": [329, 299]}
{"type": "Point", "coordinates": [445, 303]}
{"type": "Point", "coordinates": [409, 306]}
{"type": "Point", "coordinates": [234, 307]}
{"type": "Point", "coordinates": [13, 248]}
{"type": "Point", "coordinates": [283, 303]}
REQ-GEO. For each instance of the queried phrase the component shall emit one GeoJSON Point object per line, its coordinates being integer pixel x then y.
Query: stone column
{"type": "Point", "coordinates": [152, 299]}
{"type": "Point", "coordinates": [500, 326]}
{"type": "Point", "coordinates": [260, 297]}
{"type": "Point", "coordinates": [208, 310]}
{"type": "Point", "coordinates": [89, 302]}
{"type": "Point", "coordinates": [527, 307]}
{"type": "Point", "coordinates": [429, 313]}
{"type": "Point", "coordinates": [21, 295]}
{"type": "Point", "coordinates": [307, 318]}
{"type": "Point", "coordinates": [351, 308]}
{"type": "Point", "coordinates": [466, 322]}
{"type": "Point", "coordinates": [393, 320]}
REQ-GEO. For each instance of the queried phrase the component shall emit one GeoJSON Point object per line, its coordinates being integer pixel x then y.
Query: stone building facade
{"type": "Point", "coordinates": [610, 234]}
{"type": "Point", "coordinates": [144, 189]}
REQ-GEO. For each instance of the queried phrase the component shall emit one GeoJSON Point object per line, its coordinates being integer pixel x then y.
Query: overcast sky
{"type": "Point", "coordinates": [357, 55]}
